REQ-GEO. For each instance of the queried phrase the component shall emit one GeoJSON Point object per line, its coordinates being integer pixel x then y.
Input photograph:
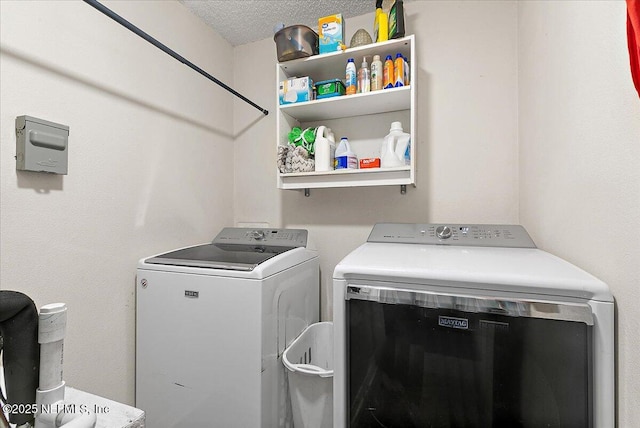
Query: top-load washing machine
{"type": "Point", "coordinates": [469, 326]}
{"type": "Point", "coordinates": [212, 322]}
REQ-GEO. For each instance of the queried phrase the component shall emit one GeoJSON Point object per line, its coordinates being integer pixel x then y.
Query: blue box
{"type": "Point", "coordinates": [295, 90]}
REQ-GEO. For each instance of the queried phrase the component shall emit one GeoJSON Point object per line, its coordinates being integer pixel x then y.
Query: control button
{"type": "Point", "coordinates": [443, 232]}
{"type": "Point", "coordinates": [258, 235]}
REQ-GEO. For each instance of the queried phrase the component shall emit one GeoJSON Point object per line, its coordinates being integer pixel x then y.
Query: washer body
{"type": "Point", "coordinates": [477, 319]}
{"type": "Point", "coordinates": [212, 323]}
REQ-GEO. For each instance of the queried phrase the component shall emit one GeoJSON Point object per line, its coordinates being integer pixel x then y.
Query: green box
{"type": "Point", "coordinates": [329, 88]}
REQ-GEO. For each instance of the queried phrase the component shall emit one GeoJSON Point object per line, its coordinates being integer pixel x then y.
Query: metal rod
{"type": "Point", "coordinates": [120, 20]}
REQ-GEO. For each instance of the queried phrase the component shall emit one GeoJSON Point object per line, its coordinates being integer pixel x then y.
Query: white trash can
{"type": "Point", "coordinates": [309, 363]}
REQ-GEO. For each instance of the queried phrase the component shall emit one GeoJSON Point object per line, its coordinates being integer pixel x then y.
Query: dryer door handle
{"type": "Point", "coordinates": [563, 311]}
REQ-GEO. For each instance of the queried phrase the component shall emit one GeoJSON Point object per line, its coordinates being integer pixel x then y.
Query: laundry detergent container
{"type": "Point", "coordinates": [309, 363]}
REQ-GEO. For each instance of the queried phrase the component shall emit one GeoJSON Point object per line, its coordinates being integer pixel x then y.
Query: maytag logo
{"type": "Point", "coordinates": [191, 294]}
{"type": "Point", "coordinates": [451, 322]}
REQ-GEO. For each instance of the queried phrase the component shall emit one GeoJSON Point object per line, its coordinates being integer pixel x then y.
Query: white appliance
{"type": "Point", "coordinates": [469, 325]}
{"type": "Point", "coordinates": [212, 323]}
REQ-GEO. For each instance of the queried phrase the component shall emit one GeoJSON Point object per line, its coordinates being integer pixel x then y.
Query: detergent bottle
{"type": "Point", "coordinates": [345, 158]}
{"type": "Point", "coordinates": [396, 147]}
{"type": "Point", "coordinates": [325, 148]}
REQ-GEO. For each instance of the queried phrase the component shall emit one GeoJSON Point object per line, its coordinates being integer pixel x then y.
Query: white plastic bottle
{"type": "Point", "coordinates": [345, 158]}
{"type": "Point", "coordinates": [377, 71]}
{"type": "Point", "coordinates": [364, 77]}
{"type": "Point", "coordinates": [350, 82]}
{"type": "Point", "coordinates": [396, 147]}
{"type": "Point", "coordinates": [325, 148]}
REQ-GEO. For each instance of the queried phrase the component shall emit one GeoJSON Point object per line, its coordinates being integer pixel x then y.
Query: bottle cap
{"type": "Point", "coordinates": [350, 60]}
{"type": "Point", "coordinates": [376, 57]}
{"type": "Point", "coordinates": [398, 55]}
{"type": "Point", "coordinates": [388, 57]}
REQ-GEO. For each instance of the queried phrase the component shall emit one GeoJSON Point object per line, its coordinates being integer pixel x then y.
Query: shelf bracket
{"type": "Point", "coordinates": [403, 189]}
{"type": "Point", "coordinates": [307, 192]}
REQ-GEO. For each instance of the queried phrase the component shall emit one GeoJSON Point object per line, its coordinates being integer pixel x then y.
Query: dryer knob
{"type": "Point", "coordinates": [258, 235]}
{"type": "Point", "coordinates": [443, 232]}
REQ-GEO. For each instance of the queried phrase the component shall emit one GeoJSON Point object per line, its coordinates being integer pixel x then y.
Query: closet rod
{"type": "Point", "coordinates": [120, 20]}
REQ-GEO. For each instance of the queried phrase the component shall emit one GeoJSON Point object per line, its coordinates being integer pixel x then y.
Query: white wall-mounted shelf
{"type": "Point", "coordinates": [364, 118]}
{"type": "Point", "coordinates": [350, 106]}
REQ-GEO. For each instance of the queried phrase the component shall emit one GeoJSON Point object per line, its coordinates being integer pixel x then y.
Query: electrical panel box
{"type": "Point", "coordinates": [41, 146]}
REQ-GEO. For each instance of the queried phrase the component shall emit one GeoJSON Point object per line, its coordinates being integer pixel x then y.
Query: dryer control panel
{"type": "Point", "coordinates": [272, 237]}
{"type": "Point", "coordinates": [477, 235]}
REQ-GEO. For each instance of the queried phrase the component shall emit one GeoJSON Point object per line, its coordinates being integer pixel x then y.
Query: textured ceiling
{"type": "Point", "coordinates": [246, 21]}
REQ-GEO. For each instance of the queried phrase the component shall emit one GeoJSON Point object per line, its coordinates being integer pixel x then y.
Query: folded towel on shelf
{"type": "Point", "coordinates": [294, 159]}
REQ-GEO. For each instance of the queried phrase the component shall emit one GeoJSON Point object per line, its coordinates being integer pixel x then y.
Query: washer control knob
{"type": "Point", "coordinates": [258, 235]}
{"type": "Point", "coordinates": [443, 232]}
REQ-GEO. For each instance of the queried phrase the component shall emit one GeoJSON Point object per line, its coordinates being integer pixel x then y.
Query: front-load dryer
{"type": "Point", "coordinates": [212, 322]}
{"type": "Point", "coordinates": [469, 326]}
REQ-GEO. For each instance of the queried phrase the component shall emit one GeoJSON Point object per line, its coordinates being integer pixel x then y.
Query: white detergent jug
{"type": "Point", "coordinates": [345, 158]}
{"type": "Point", "coordinates": [395, 150]}
{"type": "Point", "coordinates": [325, 148]}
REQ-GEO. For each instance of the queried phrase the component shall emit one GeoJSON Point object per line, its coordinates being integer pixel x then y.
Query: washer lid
{"type": "Point", "coordinates": [235, 248]}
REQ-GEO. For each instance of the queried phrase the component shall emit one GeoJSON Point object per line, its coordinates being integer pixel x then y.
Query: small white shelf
{"type": "Point", "coordinates": [346, 172]}
{"type": "Point", "coordinates": [365, 118]}
{"type": "Point", "coordinates": [332, 65]}
{"type": "Point", "coordinates": [347, 178]}
{"type": "Point", "coordinates": [386, 100]}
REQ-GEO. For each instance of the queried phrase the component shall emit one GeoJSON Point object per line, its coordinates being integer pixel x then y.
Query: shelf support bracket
{"type": "Point", "coordinates": [403, 189]}
{"type": "Point", "coordinates": [307, 192]}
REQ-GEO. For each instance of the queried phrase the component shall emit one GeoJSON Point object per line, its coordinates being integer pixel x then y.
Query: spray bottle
{"type": "Point", "coordinates": [364, 77]}
{"type": "Point", "coordinates": [350, 82]}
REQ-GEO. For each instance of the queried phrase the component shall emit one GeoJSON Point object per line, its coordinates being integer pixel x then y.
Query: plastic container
{"type": "Point", "coordinates": [396, 148]}
{"type": "Point", "coordinates": [309, 364]}
{"type": "Point", "coordinates": [329, 88]}
{"type": "Point", "coordinates": [325, 148]}
{"type": "Point", "coordinates": [396, 20]}
{"type": "Point", "coordinates": [364, 77]}
{"type": "Point", "coordinates": [350, 83]}
{"type": "Point", "coordinates": [398, 71]}
{"type": "Point", "coordinates": [345, 158]}
{"type": "Point", "coordinates": [296, 41]}
{"type": "Point", "coordinates": [377, 72]}
{"type": "Point", "coordinates": [387, 80]}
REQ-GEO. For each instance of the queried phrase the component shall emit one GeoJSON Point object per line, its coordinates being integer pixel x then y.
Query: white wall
{"type": "Point", "coordinates": [467, 135]}
{"type": "Point", "coordinates": [150, 165]}
{"type": "Point", "coordinates": [151, 147]}
{"type": "Point", "coordinates": [579, 117]}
